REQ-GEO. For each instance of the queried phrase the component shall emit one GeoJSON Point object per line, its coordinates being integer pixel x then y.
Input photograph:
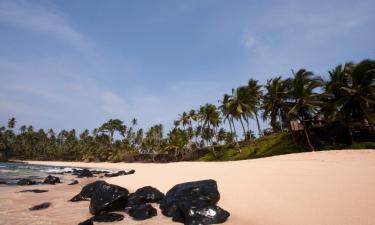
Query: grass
{"type": "Point", "coordinates": [275, 144]}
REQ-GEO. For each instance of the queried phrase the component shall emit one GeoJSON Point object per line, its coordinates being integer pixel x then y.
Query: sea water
{"type": "Point", "coordinates": [12, 172]}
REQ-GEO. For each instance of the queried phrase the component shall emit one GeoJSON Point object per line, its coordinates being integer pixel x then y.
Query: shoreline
{"type": "Point", "coordinates": [325, 187]}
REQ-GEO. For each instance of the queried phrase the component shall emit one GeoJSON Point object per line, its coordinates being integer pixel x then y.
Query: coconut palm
{"type": "Point", "coordinates": [353, 91]}
{"type": "Point", "coordinates": [304, 98]}
{"type": "Point", "coordinates": [254, 98]}
{"type": "Point", "coordinates": [275, 106]}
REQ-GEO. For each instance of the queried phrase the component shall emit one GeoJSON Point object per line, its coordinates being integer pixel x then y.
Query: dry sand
{"type": "Point", "coordinates": [317, 188]}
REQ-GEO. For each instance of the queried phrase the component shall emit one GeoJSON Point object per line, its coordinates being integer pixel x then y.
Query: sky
{"type": "Point", "coordinates": [77, 63]}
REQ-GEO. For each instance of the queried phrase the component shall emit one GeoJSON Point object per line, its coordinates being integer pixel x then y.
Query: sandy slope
{"type": "Point", "coordinates": [317, 188]}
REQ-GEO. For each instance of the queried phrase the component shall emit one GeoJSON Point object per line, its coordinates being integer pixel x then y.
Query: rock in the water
{"type": "Point", "coordinates": [82, 173]}
{"type": "Point", "coordinates": [108, 197]}
{"type": "Point", "coordinates": [86, 222]}
{"type": "Point", "coordinates": [34, 191]}
{"type": "Point", "coordinates": [87, 191]}
{"type": "Point", "coordinates": [144, 195]}
{"type": "Point", "coordinates": [194, 203]}
{"type": "Point", "coordinates": [44, 205]}
{"type": "Point", "coordinates": [51, 180]}
{"type": "Point", "coordinates": [205, 215]}
{"type": "Point", "coordinates": [142, 212]}
{"type": "Point", "coordinates": [26, 181]}
{"type": "Point", "coordinates": [107, 217]}
{"type": "Point", "coordinates": [119, 173]}
{"type": "Point", "coordinates": [73, 182]}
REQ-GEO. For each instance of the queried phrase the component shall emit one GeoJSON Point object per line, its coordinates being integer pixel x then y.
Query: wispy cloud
{"type": "Point", "coordinates": [43, 19]}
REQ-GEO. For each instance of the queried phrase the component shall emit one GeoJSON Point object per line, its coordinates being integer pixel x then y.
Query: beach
{"type": "Point", "coordinates": [327, 187]}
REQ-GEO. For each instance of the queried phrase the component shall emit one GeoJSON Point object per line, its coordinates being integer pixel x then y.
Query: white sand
{"type": "Point", "coordinates": [317, 188]}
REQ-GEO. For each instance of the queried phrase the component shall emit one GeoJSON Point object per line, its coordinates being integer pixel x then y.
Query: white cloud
{"type": "Point", "coordinates": [250, 41]}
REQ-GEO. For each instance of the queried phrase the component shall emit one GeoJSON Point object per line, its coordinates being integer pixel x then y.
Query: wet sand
{"type": "Point", "coordinates": [316, 188]}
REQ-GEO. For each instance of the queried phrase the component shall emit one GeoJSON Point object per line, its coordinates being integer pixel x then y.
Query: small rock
{"type": "Point", "coordinates": [34, 191]}
{"type": "Point", "coordinates": [142, 212]}
{"type": "Point", "coordinates": [51, 180]}
{"type": "Point", "coordinates": [44, 205]}
{"type": "Point", "coordinates": [3, 182]}
{"type": "Point", "coordinates": [119, 173]}
{"type": "Point", "coordinates": [26, 181]}
{"type": "Point", "coordinates": [82, 173]}
{"type": "Point", "coordinates": [107, 217]}
{"type": "Point", "coordinates": [73, 182]}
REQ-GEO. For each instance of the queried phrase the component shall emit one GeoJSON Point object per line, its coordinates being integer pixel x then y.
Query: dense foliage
{"type": "Point", "coordinates": [346, 97]}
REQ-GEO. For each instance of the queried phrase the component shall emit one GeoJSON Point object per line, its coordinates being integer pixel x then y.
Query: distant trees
{"type": "Point", "coordinates": [346, 97]}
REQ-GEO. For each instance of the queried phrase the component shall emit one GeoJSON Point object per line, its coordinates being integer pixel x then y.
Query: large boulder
{"type": "Point", "coordinates": [194, 203]}
{"type": "Point", "coordinates": [108, 197]}
{"type": "Point", "coordinates": [142, 212]}
{"type": "Point", "coordinates": [144, 195]}
{"type": "Point", "coordinates": [51, 180]}
{"type": "Point", "coordinates": [26, 181]}
{"type": "Point", "coordinates": [87, 191]}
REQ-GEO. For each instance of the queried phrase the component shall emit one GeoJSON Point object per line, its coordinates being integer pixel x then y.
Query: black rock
{"type": "Point", "coordinates": [82, 173]}
{"type": "Point", "coordinates": [34, 191]}
{"type": "Point", "coordinates": [73, 182]}
{"type": "Point", "coordinates": [194, 203]}
{"type": "Point", "coordinates": [205, 215]}
{"type": "Point", "coordinates": [3, 182]}
{"type": "Point", "coordinates": [44, 205]}
{"type": "Point", "coordinates": [142, 212]}
{"type": "Point", "coordinates": [119, 173]}
{"type": "Point", "coordinates": [144, 195]}
{"type": "Point", "coordinates": [26, 181]}
{"type": "Point", "coordinates": [86, 222]}
{"type": "Point", "coordinates": [107, 217]}
{"type": "Point", "coordinates": [51, 180]}
{"type": "Point", "coordinates": [108, 197]}
{"type": "Point", "coordinates": [87, 191]}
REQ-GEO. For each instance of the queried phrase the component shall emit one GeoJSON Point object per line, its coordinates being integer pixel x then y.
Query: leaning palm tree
{"type": "Point", "coordinates": [305, 101]}
{"type": "Point", "coordinates": [225, 108]}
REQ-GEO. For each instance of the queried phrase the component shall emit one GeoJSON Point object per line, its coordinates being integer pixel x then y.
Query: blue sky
{"type": "Point", "coordinates": [75, 64]}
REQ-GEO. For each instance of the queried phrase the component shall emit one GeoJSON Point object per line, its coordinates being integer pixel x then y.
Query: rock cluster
{"type": "Point", "coordinates": [192, 203]}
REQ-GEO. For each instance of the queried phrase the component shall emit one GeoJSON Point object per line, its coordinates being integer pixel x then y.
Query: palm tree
{"type": "Point", "coordinates": [255, 96]}
{"type": "Point", "coordinates": [11, 123]}
{"type": "Point", "coordinates": [226, 110]}
{"type": "Point", "coordinates": [210, 117]}
{"type": "Point", "coordinates": [304, 98]}
{"type": "Point", "coordinates": [111, 126]}
{"type": "Point", "coordinates": [275, 104]}
{"type": "Point", "coordinates": [240, 108]}
{"type": "Point", "coordinates": [353, 91]}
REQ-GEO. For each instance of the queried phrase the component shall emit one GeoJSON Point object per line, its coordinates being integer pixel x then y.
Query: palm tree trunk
{"type": "Point", "coordinates": [307, 135]}
{"type": "Point", "coordinates": [234, 130]}
{"type": "Point", "coordinates": [243, 127]}
{"type": "Point", "coordinates": [259, 129]}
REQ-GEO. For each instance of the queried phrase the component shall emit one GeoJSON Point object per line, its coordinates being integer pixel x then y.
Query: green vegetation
{"type": "Point", "coordinates": [274, 144]}
{"type": "Point", "coordinates": [305, 112]}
